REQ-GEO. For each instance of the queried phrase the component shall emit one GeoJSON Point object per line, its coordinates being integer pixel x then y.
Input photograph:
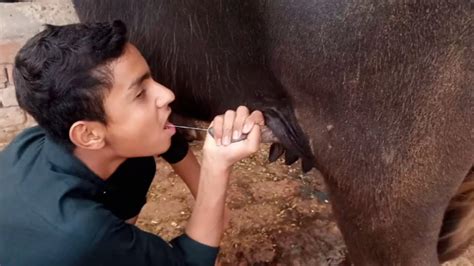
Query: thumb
{"type": "Point", "coordinates": [253, 138]}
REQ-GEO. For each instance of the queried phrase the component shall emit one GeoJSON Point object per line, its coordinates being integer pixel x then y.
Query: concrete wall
{"type": "Point", "coordinates": [19, 22]}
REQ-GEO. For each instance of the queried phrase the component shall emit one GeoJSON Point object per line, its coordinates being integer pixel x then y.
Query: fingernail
{"type": "Point", "coordinates": [236, 135]}
{"type": "Point", "coordinates": [226, 141]}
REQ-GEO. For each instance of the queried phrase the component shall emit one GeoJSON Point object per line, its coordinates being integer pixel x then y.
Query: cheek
{"type": "Point", "coordinates": [132, 128]}
{"type": "Point", "coordinates": [140, 120]}
{"type": "Point", "coordinates": [136, 130]}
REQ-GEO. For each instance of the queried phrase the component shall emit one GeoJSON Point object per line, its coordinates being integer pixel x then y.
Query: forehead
{"type": "Point", "coordinates": [128, 66]}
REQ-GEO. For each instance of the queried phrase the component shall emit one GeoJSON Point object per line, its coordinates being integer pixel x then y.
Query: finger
{"type": "Point", "coordinates": [256, 117]}
{"type": "Point", "coordinates": [228, 125]}
{"type": "Point", "coordinates": [218, 124]}
{"type": "Point", "coordinates": [253, 138]}
{"type": "Point", "coordinates": [241, 115]}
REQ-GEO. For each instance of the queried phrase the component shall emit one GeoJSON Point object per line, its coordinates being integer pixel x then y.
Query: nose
{"type": "Point", "coordinates": [164, 96]}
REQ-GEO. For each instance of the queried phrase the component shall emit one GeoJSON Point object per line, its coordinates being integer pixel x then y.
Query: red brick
{"type": "Point", "coordinates": [12, 116]}
{"type": "Point", "coordinates": [9, 68]}
{"type": "Point", "coordinates": [8, 50]}
{"type": "Point", "coordinates": [6, 78]}
{"type": "Point", "coordinates": [3, 77]}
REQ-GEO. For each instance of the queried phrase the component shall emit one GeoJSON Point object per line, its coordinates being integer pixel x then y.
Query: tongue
{"type": "Point", "coordinates": [168, 125]}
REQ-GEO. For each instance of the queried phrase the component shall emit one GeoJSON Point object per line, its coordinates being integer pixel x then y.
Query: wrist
{"type": "Point", "coordinates": [213, 180]}
{"type": "Point", "coordinates": [215, 166]}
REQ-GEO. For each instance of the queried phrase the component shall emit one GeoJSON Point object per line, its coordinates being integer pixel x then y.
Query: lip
{"type": "Point", "coordinates": [169, 127]}
{"type": "Point", "coordinates": [167, 121]}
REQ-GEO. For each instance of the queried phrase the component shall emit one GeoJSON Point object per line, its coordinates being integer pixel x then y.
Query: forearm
{"type": "Point", "coordinates": [206, 222]}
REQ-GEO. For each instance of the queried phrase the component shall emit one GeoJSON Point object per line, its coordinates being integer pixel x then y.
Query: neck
{"type": "Point", "coordinates": [102, 162]}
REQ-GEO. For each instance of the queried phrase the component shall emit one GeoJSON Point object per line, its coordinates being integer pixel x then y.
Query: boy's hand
{"type": "Point", "coordinates": [219, 150]}
{"type": "Point", "coordinates": [208, 219]}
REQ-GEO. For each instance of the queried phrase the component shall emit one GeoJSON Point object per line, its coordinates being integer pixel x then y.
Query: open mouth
{"type": "Point", "coordinates": [168, 125]}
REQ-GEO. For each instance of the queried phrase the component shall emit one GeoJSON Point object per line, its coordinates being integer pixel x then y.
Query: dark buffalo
{"type": "Point", "coordinates": [377, 94]}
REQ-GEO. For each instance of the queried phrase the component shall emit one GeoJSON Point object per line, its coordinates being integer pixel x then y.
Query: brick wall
{"type": "Point", "coordinates": [19, 22]}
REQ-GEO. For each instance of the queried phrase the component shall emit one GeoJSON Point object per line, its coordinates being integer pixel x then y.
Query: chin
{"type": "Point", "coordinates": [163, 147]}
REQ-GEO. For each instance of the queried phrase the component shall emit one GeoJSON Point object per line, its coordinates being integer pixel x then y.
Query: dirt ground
{"type": "Point", "coordinates": [279, 216]}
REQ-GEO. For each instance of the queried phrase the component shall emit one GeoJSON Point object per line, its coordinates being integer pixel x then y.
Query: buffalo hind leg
{"type": "Point", "coordinates": [394, 222]}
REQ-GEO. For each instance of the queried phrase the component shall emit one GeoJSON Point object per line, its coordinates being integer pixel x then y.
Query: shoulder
{"type": "Point", "coordinates": [27, 136]}
{"type": "Point", "coordinates": [29, 139]}
{"type": "Point", "coordinates": [23, 149]}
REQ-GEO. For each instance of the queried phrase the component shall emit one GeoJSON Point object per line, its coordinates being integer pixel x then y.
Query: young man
{"type": "Point", "coordinates": [68, 186]}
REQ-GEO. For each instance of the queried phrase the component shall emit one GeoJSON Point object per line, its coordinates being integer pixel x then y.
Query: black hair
{"type": "Point", "coordinates": [61, 74]}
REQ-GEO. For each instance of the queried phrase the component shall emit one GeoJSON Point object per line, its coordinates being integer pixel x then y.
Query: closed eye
{"type": "Point", "coordinates": [141, 94]}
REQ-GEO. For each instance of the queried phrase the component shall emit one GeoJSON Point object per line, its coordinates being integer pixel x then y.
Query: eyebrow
{"type": "Point", "coordinates": [139, 80]}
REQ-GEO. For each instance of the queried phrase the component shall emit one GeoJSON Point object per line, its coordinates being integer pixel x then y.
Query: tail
{"type": "Point", "coordinates": [457, 231]}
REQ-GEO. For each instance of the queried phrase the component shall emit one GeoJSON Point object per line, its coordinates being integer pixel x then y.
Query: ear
{"type": "Point", "coordinates": [87, 135]}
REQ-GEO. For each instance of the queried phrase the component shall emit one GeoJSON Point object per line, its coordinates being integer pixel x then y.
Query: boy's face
{"type": "Point", "coordinates": [137, 109]}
